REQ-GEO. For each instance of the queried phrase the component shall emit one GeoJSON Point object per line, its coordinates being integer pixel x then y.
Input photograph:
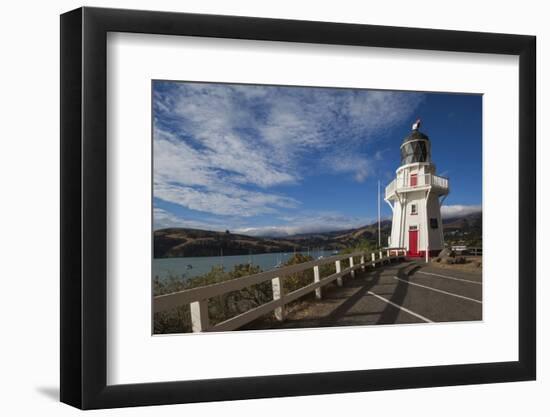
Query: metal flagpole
{"type": "Point", "coordinates": [379, 245]}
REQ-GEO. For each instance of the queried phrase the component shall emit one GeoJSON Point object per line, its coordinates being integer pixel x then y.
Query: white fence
{"type": "Point", "coordinates": [197, 298]}
{"type": "Point", "coordinates": [467, 250]}
{"type": "Point", "coordinates": [475, 251]}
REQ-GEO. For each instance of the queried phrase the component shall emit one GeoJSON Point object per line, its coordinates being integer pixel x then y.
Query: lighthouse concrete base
{"type": "Point", "coordinates": [422, 254]}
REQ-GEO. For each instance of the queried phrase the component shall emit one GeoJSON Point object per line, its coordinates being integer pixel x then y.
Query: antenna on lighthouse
{"type": "Point", "coordinates": [379, 245]}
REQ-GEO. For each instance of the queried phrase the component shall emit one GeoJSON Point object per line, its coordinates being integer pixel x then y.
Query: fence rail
{"type": "Point", "coordinates": [467, 250]}
{"type": "Point", "coordinates": [197, 298]}
{"type": "Point", "coordinates": [475, 251]}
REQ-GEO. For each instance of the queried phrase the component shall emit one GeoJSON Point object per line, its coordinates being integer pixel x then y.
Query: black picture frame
{"type": "Point", "coordinates": [84, 207]}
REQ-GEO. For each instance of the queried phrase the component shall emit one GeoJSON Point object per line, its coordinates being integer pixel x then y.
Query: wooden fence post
{"type": "Point", "coordinates": [362, 262]}
{"type": "Point", "coordinates": [373, 257]}
{"type": "Point", "coordinates": [278, 293]}
{"type": "Point", "coordinates": [339, 281]}
{"type": "Point", "coordinates": [199, 315]}
{"type": "Point", "coordinates": [352, 273]}
{"type": "Point", "coordinates": [317, 278]}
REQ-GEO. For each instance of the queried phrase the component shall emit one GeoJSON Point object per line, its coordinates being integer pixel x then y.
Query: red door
{"type": "Point", "coordinates": [413, 180]}
{"type": "Point", "coordinates": [413, 242]}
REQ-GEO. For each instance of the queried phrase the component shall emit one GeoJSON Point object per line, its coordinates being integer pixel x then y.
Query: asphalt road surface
{"type": "Point", "coordinates": [408, 292]}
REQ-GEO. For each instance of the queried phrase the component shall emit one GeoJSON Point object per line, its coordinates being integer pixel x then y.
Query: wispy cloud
{"type": "Point", "coordinates": [327, 222]}
{"type": "Point", "coordinates": [193, 179]}
{"type": "Point", "coordinates": [458, 210]}
{"type": "Point", "coordinates": [223, 202]}
{"type": "Point", "coordinates": [164, 219]}
{"type": "Point", "coordinates": [227, 149]}
{"type": "Point", "coordinates": [360, 167]}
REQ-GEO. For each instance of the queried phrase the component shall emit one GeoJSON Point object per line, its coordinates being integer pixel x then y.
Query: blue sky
{"type": "Point", "coordinates": [271, 160]}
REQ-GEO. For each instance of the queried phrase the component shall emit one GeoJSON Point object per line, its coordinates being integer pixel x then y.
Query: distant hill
{"type": "Point", "coordinates": [182, 242]}
{"type": "Point", "coordinates": [469, 222]}
{"type": "Point", "coordinates": [466, 230]}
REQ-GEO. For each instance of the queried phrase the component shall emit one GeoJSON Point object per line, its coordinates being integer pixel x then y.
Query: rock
{"type": "Point", "coordinates": [460, 260]}
{"type": "Point", "coordinates": [455, 261]}
{"type": "Point", "coordinates": [445, 253]}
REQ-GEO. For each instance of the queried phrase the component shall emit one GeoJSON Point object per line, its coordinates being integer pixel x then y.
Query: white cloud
{"type": "Point", "coordinates": [165, 219]}
{"type": "Point", "coordinates": [235, 202]}
{"type": "Point", "coordinates": [185, 176]}
{"type": "Point", "coordinates": [219, 148]}
{"type": "Point", "coordinates": [359, 166]}
{"type": "Point", "coordinates": [307, 224]}
{"type": "Point", "coordinates": [458, 210]}
{"type": "Point", "coordinates": [328, 222]}
{"type": "Point", "coordinates": [176, 161]}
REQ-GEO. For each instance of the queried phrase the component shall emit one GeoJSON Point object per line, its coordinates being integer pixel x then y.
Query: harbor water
{"type": "Point", "coordinates": [189, 267]}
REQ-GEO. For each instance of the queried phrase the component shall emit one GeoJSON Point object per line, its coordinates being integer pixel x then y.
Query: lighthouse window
{"type": "Point", "coordinates": [414, 209]}
{"type": "Point", "coordinates": [433, 223]}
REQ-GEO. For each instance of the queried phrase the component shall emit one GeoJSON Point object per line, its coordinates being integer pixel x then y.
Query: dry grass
{"type": "Point", "coordinates": [473, 264]}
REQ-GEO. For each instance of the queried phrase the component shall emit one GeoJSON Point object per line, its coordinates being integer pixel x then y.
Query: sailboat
{"type": "Point", "coordinates": [321, 251]}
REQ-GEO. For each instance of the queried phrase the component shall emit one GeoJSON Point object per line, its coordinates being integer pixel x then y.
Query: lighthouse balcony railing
{"type": "Point", "coordinates": [408, 183]}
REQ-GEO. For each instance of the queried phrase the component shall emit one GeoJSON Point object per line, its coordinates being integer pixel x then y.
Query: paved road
{"type": "Point", "coordinates": [407, 292]}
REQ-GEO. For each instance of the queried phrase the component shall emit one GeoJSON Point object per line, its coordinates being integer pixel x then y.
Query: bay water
{"type": "Point", "coordinates": [189, 267]}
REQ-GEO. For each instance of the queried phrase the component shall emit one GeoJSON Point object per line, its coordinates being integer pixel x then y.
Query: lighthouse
{"type": "Point", "coordinates": [415, 197]}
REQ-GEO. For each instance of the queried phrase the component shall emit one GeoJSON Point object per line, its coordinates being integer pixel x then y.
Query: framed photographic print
{"type": "Point", "coordinates": [259, 207]}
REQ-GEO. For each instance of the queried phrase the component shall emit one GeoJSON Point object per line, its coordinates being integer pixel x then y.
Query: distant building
{"type": "Point", "coordinates": [415, 197]}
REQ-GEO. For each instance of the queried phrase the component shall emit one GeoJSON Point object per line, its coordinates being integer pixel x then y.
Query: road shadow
{"type": "Point", "coordinates": [365, 284]}
{"type": "Point", "coordinates": [340, 303]}
{"type": "Point", "coordinates": [390, 313]}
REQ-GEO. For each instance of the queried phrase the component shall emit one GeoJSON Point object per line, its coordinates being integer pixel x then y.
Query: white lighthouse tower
{"type": "Point", "coordinates": [415, 197]}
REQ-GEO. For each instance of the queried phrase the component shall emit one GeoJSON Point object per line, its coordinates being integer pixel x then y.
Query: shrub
{"type": "Point", "coordinates": [228, 305]}
{"type": "Point", "coordinates": [231, 304]}
{"type": "Point", "coordinates": [300, 279]}
{"type": "Point", "coordinates": [220, 308]}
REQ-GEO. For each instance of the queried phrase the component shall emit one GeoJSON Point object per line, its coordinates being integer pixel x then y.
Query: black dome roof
{"type": "Point", "coordinates": [415, 135]}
